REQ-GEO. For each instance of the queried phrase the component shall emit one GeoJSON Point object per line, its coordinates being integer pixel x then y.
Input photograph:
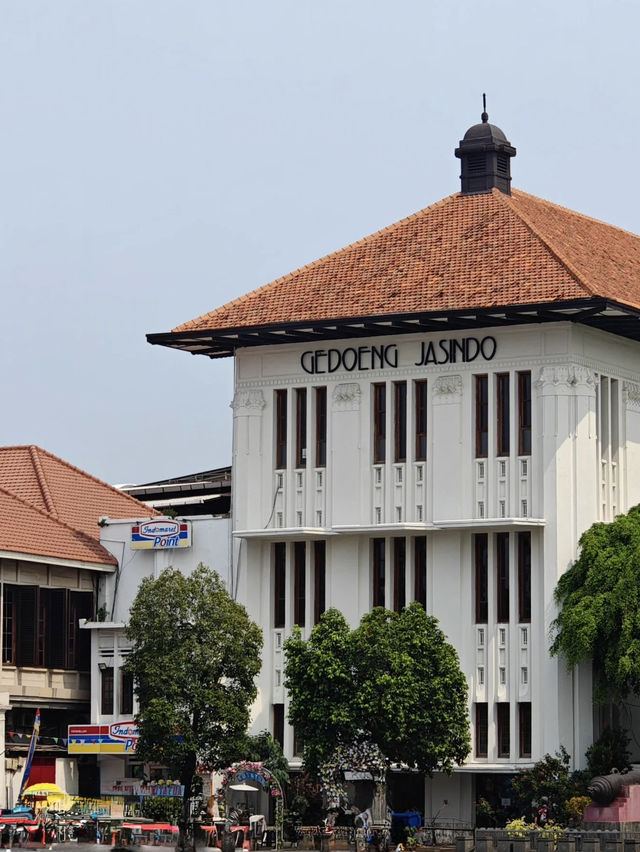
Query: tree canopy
{"type": "Point", "coordinates": [394, 681]}
{"type": "Point", "coordinates": [195, 654]}
{"type": "Point", "coordinates": [599, 598]}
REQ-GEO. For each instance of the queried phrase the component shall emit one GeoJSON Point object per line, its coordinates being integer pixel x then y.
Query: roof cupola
{"type": "Point", "coordinates": [485, 153]}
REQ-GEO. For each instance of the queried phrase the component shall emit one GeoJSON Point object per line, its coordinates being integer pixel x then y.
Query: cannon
{"type": "Point", "coordinates": [603, 789]}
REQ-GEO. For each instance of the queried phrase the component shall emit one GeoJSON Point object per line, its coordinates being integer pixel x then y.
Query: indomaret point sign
{"type": "Point", "coordinates": [451, 350]}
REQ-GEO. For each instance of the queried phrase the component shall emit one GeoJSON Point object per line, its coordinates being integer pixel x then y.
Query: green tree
{"type": "Point", "coordinates": [394, 681]}
{"type": "Point", "coordinates": [610, 750]}
{"type": "Point", "coordinates": [319, 675]}
{"type": "Point", "coordinates": [262, 748]}
{"type": "Point", "coordinates": [548, 777]}
{"type": "Point", "coordinates": [195, 654]}
{"type": "Point", "coordinates": [599, 599]}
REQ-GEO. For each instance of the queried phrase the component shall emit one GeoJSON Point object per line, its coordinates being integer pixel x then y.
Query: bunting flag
{"type": "Point", "coordinates": [32, 748]}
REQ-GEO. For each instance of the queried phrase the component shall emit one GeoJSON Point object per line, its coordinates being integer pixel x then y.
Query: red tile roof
{"type": "Point", "coordinates": [24, 529]}
{"type": "Point", "coordinates": [466, 251]}
{"type": "Point", "coordinates": [57, 506]}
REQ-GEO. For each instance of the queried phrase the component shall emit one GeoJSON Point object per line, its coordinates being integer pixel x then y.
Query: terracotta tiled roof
{"type": "Point", "coordinates": [24, 529]}
{"type": "Point", "coordinates": [466, 251]}
{"type": "Point", "coordinates": [64, 498]}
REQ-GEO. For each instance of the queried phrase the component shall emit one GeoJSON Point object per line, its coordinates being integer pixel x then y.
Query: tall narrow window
{"type": "Point", "coordinates": [8, 625]}
{"type": "Point", "coordinates": [106, 691]}
{"type": "Point", "coordinates": [319, 579]}
{"type": "Point", "coordinates": [524, 576]}
{"type": "Point", "coordinates": [126, 693]}
{"type": "Point", "coordinates": [480, 544]}
{"type": "Point", "coordinates": [482, 729]}
{"type": "Point", "coordinates": [321, 427]}
{"type": "Point", "coordinates": [504, 731]}
{"type": "Point", "coordinates": [524, 414]}
{"type": "Point", "coordinates": [420, 570]}
{"type": "Point", "coordinates": [399, 573]}
{"type": "Point", "coordinates": [524, 728]}
{"type": "Point", "coordinates": [379, 423]}
{"type": "Point", "coordinates": [421, 420]}
{"type": "Point", "coordinates": [502, 576]}
{"type": "Point", "coordinates": [502, 400]}
{"type": "Point", "coordinates": [378, 546]}
{"type": "Point", "coordinates": [279, 583]}
{"type": "Point", "coordinates": [281, 429]}
{"type": "Point", "coordinates": [299, 582]}
{"type": "Point", "coordinates": [301, 427]}
{"type": "Point", "coordinates": [400, 421]}
{"type": "Point", "coordinates": [482, 416]}
{"type": "Point", "coordinates": [278, 723]}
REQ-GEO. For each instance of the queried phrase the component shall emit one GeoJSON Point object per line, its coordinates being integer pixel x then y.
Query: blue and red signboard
{"type": "Point", "coordinates": [118, 738]}
{"type": "Point", "coordinates": [160, 535]}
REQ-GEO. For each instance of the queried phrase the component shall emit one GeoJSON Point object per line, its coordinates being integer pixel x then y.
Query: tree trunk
{"type": "Point", "coordinates": [186, 838]}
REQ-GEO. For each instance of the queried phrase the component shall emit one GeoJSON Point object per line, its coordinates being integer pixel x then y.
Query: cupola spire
{"type": "Point", "coordinates": [485, 154]}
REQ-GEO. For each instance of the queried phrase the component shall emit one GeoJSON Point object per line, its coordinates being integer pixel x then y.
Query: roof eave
{"type": "Point", "coordinates": [597, 312]}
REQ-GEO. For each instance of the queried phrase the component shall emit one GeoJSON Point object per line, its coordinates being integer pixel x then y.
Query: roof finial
{"type": "Point", "coordinates": [485, 114]}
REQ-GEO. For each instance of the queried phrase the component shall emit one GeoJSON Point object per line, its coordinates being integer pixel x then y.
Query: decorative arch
{"type": "Point", "coordinates": [248, 770]}
{"type": "Point", "coordinates": [359, 756]}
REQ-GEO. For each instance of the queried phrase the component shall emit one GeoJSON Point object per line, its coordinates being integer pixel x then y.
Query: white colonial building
{"type": "Point", "coordinates": [437, 413]}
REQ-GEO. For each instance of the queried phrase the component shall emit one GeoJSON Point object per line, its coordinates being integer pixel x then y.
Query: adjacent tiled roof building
{"type": "Point", "coordinates": [50, 508]}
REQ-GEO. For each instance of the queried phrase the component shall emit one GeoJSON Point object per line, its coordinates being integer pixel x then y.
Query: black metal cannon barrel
{"type": "Point", "coordinates": [603, 789]}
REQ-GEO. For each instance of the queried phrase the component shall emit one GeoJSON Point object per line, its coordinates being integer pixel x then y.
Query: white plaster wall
{"type": "Point", "coordinates": [562, 485]}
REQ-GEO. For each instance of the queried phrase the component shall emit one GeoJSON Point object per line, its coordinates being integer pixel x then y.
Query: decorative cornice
{"type": "Point", "coordinates": [248, 401]}
{"type": "Point", "coordinates": [447, 389]}
{"type": "Point", "coordinates": [346, 397]}
{"type": "Point", "coordinates": [567, 378]}
{"type": "Point", "coordinates": [631, 394]}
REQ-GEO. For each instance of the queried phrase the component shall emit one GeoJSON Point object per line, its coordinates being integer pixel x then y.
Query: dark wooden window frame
{"type": "Point", "coordinates": [400, 421]}
{"type": "Point", "coordinates": [301, 427]}
{"type": "Point", "coordinates": [503, 414]}
{"type": "Point", "coordinates": [126, 693]}
{"type": "Point", "coordinates": [502, 577]}
{"type": "Point", "coordinates": [106, 691]}
{"type": "Point", "coordinates": [524, 728]}
{"type": "Point", "coordinates": [321, 426]}
{"type": "Point", "coordinates": [399, 573]}
{"type": "Point", "coordinates": [378, 566]}
{"type": "Point", "coordinates": [279, 583]}
{"type": "Point", "coordinates": [524, 577]}
{"type": "Point", "coordinates": [503, 728]}
{"type": "Point", "coordinates": [278, 723]}
{"type": "Point", "coordinates": [420, 570]}
{"type": "Point", "coordinates": [379, 423]}
{"type": "Point", "coordinates": [281, 429]}
{"type": "Point", "coordinates": [481, 566]}
{"type": "Point", "coordinates": [41, 630]}
{"type": "Point", "coordinates": [482, 729]}
{"type": "Point", "coordinates": [482, 415]}
{"type": "Point", "coordinates": [299, 582]}
{"type": "Point", "coordinates": [319, 579]}
{"type": "Point", "coordinates": [420, 403]}
{"type": "Point", "coordinates": [524, 413]}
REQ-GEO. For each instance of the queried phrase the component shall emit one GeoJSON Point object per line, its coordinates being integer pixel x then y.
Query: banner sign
{"type": "Point", "coordinates": [118, 738]}
{"type": "Point", "coordinates": [160, 535]}
{"type": "Point", "coordinates": [250, 775]}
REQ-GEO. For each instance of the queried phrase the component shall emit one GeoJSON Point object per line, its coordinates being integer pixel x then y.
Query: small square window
{"type": "Point", "coordinates": [481, 508]}
{"type": "Point", "coordinates": [399, 474]}
{"type": "Point", "coordinates": [524, 636]}
{"type": "Point", "coordinates": [524, 675]}
{"type": "Point", "coordinates": [502, 635]}
{"type": "Point", "coordinates": [378, 515]}
{"type": "Point", "coordinates": [503, 675]}
{"type": "Point", "coordinates": [502, 508]}
{"type": "Point", "coordinates": [480, 636]}
{"type": "Point", "coordinates": [502, 468]}
{"type": "Point", "coordinates": [398, 514]}
{"type": "Point", "coordinates": [319, 478]}
{"type": "Point", "coordinates": [319, 518]}
{"type": "Point", "coordinates": [481, 675]}
{"type": "Point", "coordinates": [378, 475]}
{"type": "Point", "coordinates": [524, 467]}
{"type": "Point", "coordinates": [481, 470]}
{"type": "Point", "coordinates": [279, 519]}
{"type": "Point", "coordinates": [419, 473]}
{"type": "Point", "coordinates": [419, 513]}
{"type": "Point", "coordinates": [298, 518]}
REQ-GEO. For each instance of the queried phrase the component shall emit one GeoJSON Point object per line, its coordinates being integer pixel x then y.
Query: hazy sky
{"type": "Point", "coordinates": [158, 159]}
